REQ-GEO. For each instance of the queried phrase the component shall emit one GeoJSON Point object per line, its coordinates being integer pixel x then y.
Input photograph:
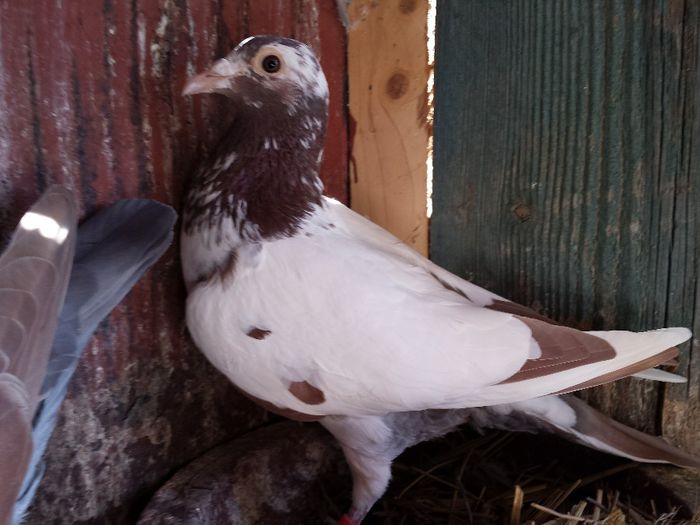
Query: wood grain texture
{"type": "Point", "coordinates": [90, 97]}
{"type": "Point", "coordinates": [567, 172]}
{"type": "Point", "coordinates": [387, 84]}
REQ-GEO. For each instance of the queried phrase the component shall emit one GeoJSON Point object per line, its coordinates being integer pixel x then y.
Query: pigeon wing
{"type": "Point", "coordinates": [34, 273]}
{"type": "Point", "coordinates": [114, 249]}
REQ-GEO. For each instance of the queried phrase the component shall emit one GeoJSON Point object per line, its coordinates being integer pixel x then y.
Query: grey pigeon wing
{"type": "Point", "coordinates": [34, 274]}
{"type": "Point", "coordinates": [117, 245]}
{"type": "Point", "coordinates": [114, 249]}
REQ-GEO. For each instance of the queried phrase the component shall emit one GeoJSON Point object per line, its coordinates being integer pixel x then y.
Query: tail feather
{"type": "Point", "coordinates": [655, 374]}
{"type": "Point", "coordinates": [573, 419]}
{"type": "Point", "coordinates": [598, 431]}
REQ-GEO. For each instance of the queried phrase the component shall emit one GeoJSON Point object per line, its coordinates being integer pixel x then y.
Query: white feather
{"type": "Point", "coordinates": [655, 374]}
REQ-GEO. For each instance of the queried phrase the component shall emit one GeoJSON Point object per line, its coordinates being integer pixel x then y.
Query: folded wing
{"type": "Point", "coordinates": [418, 337]}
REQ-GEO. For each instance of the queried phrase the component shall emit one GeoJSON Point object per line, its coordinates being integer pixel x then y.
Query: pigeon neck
{"type": "Point", "coordinates": [263, 179]}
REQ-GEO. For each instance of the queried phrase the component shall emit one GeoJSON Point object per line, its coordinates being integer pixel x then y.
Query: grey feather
{"type": "Point", "coordinates": [114, 249]}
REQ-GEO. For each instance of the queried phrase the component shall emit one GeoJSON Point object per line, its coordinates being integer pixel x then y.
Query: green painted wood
{"type": "Point", "coordinates": [567, 171]}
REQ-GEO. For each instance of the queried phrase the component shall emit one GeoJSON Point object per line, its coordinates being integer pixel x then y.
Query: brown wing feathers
{"type": "Point", "coordinates": [562, 348]}
{"type": "Point", "coordinates": [645, 364]}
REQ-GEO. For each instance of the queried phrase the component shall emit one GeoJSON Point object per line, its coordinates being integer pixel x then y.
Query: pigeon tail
{"type": "Point", "coordinates": [600, 432]}
{"type": "Point", "coordinates": [114, 249]}
{"type": "Point", "coordinates": [573, 419]}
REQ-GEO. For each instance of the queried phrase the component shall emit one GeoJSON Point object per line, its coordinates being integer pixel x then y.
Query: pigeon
{"type": "Point", "coordinates": [57, 283]}
{"type": "Point", "coordinates": [319, 315]}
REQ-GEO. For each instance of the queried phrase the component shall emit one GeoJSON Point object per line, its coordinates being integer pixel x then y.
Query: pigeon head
{"type": "Point", "coordinates": [263, 175]}
{"type": "Point", "coordinates": [269, 74]}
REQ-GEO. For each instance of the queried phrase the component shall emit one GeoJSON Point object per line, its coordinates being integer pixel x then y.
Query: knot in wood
{"type": "Point", "coordinates": [397, 86]}
{"type": "Point", "coordinates": [407, 6]}
{"type": "Point", "coordinates": [522, 212]}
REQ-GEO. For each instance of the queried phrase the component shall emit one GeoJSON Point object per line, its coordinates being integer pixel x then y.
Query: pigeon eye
{"type": "Point", "coordinates": [271, 63]}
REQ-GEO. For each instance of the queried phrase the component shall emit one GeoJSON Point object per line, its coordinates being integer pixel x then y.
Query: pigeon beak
{"type": "Point", "coordinates": [205, 83]}
{"type": "Point", "coordinates": [214, 80]}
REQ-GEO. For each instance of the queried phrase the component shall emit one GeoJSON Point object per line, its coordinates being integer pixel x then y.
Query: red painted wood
{"type": "Point", "coordinates": [90, 97]}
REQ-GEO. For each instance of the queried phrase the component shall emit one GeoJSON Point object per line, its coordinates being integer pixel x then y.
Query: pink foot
{"type": "Point", "coordinates": [345, 520]}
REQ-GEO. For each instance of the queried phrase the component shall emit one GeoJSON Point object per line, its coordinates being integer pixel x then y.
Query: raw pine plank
{"type": "Point", "coordinates": [387, 79]}
{"type": "Point", "coordinates": [567, 171]}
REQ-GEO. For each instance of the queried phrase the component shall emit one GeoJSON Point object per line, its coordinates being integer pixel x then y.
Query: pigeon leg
{"type": "Point", "coordinates": [370, 478]}
{"type": "Point", "coordinates": [369, 451]}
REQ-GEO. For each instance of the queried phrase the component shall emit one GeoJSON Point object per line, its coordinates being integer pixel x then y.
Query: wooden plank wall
{"type": "Point", "coordinates": [388, 100]}
{"type": "Point", "coordinates": [90, 96]}
{"type": "Point", "coordinates": [567, 172]}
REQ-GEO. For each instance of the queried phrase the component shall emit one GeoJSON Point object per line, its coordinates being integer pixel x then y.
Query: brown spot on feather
{"type": "Point", "coordinates": [307, 393]}
{"type": "Point", "coordinates": [281, 411]}
{"type": "Point", "coordinates": [258, 333]}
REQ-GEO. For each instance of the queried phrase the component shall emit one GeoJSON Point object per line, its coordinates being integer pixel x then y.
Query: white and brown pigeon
{"type": "Point", "coordinates": [318, 314]}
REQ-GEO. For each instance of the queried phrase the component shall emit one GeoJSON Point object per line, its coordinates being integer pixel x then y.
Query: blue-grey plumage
{"type": "Point", "coordinates": [114, 249]}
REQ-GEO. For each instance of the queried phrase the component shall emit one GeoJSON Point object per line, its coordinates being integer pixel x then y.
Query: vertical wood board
{"type": "Point", "coordinates": [90, 97]}
{"type": "Point", "coordinates": [567, 172]}
{"type": "Point", "coordinates": [387, 83]}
